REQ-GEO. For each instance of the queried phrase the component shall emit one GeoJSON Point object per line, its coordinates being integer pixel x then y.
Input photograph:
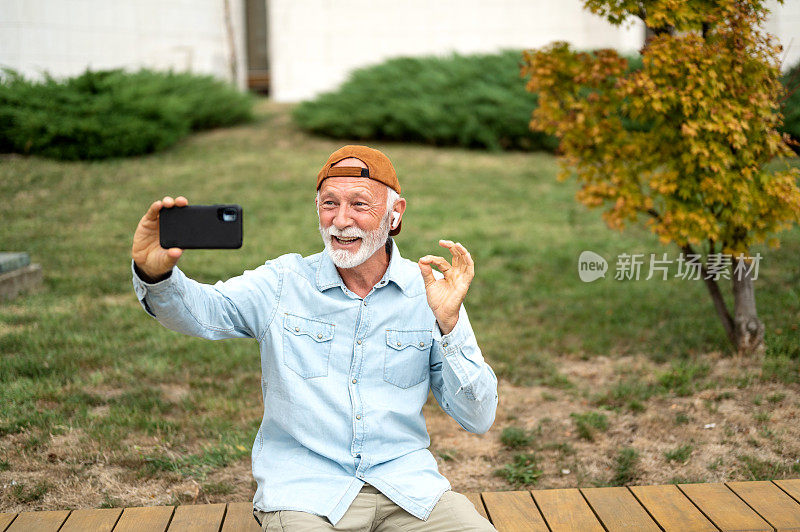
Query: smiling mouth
{"type": "Point", "coordinates": [346, 241]}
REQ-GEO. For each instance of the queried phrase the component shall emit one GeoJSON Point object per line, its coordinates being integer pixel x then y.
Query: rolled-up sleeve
{"type": "Point", "coordinates": [242, 306]}
{"type": "Point", "coordinates": [463, 384]}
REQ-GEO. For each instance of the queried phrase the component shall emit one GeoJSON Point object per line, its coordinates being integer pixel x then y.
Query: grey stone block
{"type": "Point", "coordinates": [13, 261]}
{"type": "Point", "coordinates": [15, 281]}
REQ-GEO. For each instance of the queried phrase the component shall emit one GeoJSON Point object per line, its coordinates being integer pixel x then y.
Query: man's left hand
{"type": "Point", "coordinates": [446, 295]}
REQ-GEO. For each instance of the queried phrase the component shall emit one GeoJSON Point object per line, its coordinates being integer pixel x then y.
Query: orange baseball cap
{"type": "Point", "coordinates": [379, 168]}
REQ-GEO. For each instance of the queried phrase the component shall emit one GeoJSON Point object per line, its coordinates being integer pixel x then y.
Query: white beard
{"type": "Point", "coordinates": [371, 241]}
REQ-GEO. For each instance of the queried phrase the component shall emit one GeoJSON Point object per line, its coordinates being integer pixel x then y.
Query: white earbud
{"type": "Point", "coordinates": [395, 219]}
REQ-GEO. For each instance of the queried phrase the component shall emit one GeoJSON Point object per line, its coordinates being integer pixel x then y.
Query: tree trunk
{"type": "Point", "coordinates": [233, 62]}
{"type": "Point", "coordinates": [716, 298]}
{"type": "Point", "coordinates": [747, 328]}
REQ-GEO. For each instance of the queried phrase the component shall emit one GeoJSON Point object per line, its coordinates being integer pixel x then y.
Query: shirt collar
{"type": "Point", "coordinates": [328, 276]}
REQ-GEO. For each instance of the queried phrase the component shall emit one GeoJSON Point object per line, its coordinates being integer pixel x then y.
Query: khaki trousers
{"type": "Point", "coordinates": [372, 511]}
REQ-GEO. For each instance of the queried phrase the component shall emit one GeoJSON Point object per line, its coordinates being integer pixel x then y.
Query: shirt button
{"type": "Point", "coordinates": [365, 303]}
{"type": "Point", "coordinates": [359, 342]}
{"type": "Point", "coordinates": [319, 335]}
{"type": "Point", "coordinates": [399, 344]}
{"type": "Point", "coordinates": [444, 344]}
{"type": "Point", "coordinates": [297, 329]}
{"type": "Point", "coordinates": [422, 344]}
{"type": "Point", "coordinates": [355, 381]}
{"type": "Point", "coordinates": [358, 416]}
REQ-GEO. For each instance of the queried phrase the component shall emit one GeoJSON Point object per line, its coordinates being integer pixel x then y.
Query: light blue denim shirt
{"type": "Point", "coordinates": [343, 378]}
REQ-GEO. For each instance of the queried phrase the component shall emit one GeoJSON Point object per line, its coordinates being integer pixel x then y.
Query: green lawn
{"type": "Point", "coordinates": [81, 353]}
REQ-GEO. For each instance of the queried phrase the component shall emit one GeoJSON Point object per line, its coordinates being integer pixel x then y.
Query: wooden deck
{"type": "Point", "coordinates": [737, 506]}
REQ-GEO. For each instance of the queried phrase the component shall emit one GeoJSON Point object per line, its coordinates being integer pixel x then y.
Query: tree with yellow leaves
{"type": "Point", "coordinates": [683, 141]}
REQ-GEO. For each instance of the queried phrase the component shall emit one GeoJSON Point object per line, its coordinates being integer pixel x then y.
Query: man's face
{"type": "Point", "coordinates": [353, 219]}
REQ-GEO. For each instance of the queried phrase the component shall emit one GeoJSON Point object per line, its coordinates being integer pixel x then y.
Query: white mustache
{"type": "Point", "coordinates": [350, 232]}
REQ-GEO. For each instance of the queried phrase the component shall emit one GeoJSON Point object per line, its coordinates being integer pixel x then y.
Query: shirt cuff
{"type": "Point", "coordinates": [451, 345]}
{"type": "Point", "coordinates": [454, 339]}
{"type": "Point", "coordinates": [142, 288]}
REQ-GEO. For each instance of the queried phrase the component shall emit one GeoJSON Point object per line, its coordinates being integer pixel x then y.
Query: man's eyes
{"type": "Point", "coordinates": [357, 203]}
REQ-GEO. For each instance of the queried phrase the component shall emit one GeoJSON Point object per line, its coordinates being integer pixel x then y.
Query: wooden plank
{"type": "Point", "coordinates": [154, 518]}
{"type": "Point", "coordinates": [513, 511]}
{"type": "Point", "coordinates": [475, 498]}
{"type": "Point", "coordinates": [671, 509]}
{"type": "Point", "coordinates": [618, 509]}
{"type": "Point", "coordinates": [197, 518]}
{"type": "Point", "coordinates": [565, 509]}
{"type": "Point", "coordinates": [771, 503]}
{"type": "Point", "coordinates": [97, 520]}
{"type": "Point", "coordinates": [790, 486]}
{"type": "Point", "coordinates": [39, 521]}
{"type": "Point", "coordinates": [239, 518]}
{"type": "Point", "coordinates": [724, 508]}
{"type": "Point", "coordinates": [5, 520]}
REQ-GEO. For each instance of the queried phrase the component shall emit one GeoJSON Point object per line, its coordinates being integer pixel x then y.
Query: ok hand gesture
{"type": "Point", "coordinates": [446, 295]}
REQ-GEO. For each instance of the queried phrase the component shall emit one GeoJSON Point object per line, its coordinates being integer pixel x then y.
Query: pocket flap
{"type": "Point", "coordinates": [420, 339]}
{"type": "Point", "coordinates": [316, 329]}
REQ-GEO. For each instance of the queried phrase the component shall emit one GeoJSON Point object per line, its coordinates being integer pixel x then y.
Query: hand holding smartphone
{"type": "Point", "coordinates": [155, 251]}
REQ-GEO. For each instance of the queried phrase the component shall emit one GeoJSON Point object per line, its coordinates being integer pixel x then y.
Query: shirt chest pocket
{"type": "Point", "coordinates": [407, 357]}
{"type": "Point", "coordinates": [306, 345]}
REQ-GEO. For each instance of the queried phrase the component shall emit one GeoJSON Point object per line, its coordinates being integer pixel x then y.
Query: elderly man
{"type": "Point", "coordinates": [351, 339]}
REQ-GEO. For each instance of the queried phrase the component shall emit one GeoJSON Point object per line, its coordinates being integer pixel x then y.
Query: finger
{"type": "Point", "coordinates": [174, 253]}
{"type": "Point", "coordinates": [427, 273]}
{"type": "Point", "coordinates": [470, 264]}
{"type": "Point", "coordinates": [439, 262]}
{"type": "Point", "coordinates": [152, 212]}
{"type": "Point", "coordinates": [180, 201]}
{"type": "Point", "coordinates": [463, 254]}
{"type": "Point", "coordinates": [168, 202]}
{"type": "Point", "coordinates": [459, 251]}
{"type": "Point", "coordinates": [449, 245]}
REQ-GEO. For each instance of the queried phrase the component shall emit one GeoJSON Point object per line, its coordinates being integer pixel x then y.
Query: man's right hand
{"type": "Point", "coordinates": [153, 260]}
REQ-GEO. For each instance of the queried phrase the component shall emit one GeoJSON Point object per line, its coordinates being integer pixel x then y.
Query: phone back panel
{"type": "Point", "coordinates": [201, 227]}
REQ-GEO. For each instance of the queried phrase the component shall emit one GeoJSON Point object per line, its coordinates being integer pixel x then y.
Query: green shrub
{"type": "Point", "coordinates": [475, 101]}
{"type": "Point", "coordinates": [112, 113]}
{"type": "Point", "coordinates": [791, 105]}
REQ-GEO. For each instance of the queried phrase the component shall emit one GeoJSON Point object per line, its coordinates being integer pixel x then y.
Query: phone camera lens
{"type": "Point", "coordinates": [229, 215]}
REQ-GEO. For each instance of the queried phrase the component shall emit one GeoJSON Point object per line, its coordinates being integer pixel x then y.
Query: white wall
{"type": "Point", "coordinates": [784, 23]}
{"type": "Point", "coordinates": [64, 37]}
{"type": "Point", "coordinates": [315, 43]}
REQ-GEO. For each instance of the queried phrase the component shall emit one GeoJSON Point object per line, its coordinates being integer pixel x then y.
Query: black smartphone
{"type": "Point", "coordinates": [201, 227]}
